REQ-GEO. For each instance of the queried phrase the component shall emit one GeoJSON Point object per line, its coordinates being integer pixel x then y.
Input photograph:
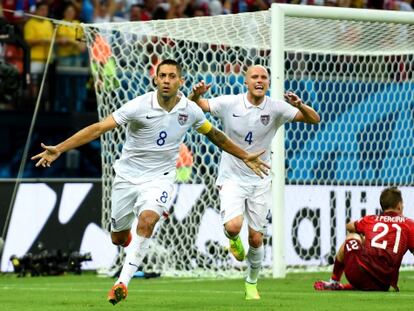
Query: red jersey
{"type": "Point", "coordinates": [387, 238]}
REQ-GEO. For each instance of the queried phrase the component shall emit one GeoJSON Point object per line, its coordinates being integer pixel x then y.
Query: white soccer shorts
{"type": "Point", "coordinates": [252, 201]}
{"type": "Point", "coordinates": [130, 200]}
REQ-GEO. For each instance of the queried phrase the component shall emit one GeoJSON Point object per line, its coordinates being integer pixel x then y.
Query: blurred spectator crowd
{"type": "Point", "coordinates": [96, 11]}
{"type": "Point", "coordinates": [69, 78]}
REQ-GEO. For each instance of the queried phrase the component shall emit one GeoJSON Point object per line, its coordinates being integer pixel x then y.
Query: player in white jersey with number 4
{"type": "Point", "coordinates": [251, 120]}
{"type": "Point", "coordinates": [157, 123]}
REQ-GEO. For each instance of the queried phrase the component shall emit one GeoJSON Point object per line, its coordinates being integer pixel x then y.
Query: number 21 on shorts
{"type": "Point", "coordinates": [352, 245]}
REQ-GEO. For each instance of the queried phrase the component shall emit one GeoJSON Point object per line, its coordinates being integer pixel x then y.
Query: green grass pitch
{"type": "Point", "coordinates": [295, 292]}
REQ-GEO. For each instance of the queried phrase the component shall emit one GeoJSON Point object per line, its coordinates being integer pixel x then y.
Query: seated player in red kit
{"type": "Point", "coordinates": [374, 247]}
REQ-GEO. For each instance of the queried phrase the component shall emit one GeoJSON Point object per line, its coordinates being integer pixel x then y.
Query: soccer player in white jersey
{"type": "Point", "coordinates": [251, 120]}
{"type": "Point", "coordinates": [157, 122]}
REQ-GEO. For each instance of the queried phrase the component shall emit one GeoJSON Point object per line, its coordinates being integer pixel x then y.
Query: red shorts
{"type": "Point", "coordinates": [357, 276]}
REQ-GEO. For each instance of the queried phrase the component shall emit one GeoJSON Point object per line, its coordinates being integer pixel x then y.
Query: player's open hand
{"type": "Point", "coordinates": [201, 88]}
{"type": "Point", "coordinates": [293, 99]}
{"type": "Point", "coordinates": [50, 154]}
{"type": "Point", "coordinates": [256, 164]}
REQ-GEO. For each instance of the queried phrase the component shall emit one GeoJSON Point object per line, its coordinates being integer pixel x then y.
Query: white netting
{"type": "Point", "coordinates": [338, 37]}
{"type": "Point", "coordinates": [357, 75]}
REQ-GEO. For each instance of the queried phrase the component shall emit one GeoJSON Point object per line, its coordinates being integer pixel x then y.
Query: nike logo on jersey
{"type": "Point", "coordinates": [131, 264]}
{"type": "Point", "coordinates": [236, 116]}
{"type": "Point", "coordinates": [150, 117]}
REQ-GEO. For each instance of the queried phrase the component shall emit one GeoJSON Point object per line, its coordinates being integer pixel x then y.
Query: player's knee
{"type": "Point", "coordinates": [146, 223]}
{"type": "Point", "coordinates": [115, 240]}
{"type": "Point", "coordinates": [145, 228]}
{"type": "Point", "coordinates": [118, 239]}
{"type": "Point", "coordinates": [256, 240]}
{"type": "Point", "coordinates": [232, 228]}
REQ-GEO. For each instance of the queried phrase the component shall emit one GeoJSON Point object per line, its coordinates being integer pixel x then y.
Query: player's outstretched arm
{"type": "Point", "coordinates": [252, 160]}
{"type": "Point", "coordinates": [306, 113]}
{"type": "Point", "coordinates": [199, 90]}
{"type": "Point", "coordinates": [84, 136]}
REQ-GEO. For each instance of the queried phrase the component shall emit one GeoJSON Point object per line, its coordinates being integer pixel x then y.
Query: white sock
{"type": "Point", "coordinates": [254, 260]}
{"type": "Point", "coordinates": [136, 252]}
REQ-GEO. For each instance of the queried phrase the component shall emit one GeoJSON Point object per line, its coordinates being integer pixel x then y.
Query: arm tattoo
{"type": "Point", "coordinates": [217, 137]}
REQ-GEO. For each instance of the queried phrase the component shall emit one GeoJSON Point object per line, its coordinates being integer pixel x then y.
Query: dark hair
{"type": "Point", "coordinates": [390, 197]}
{"type": "Point", "coordinates": [172, 63]}
{"type": "Point", "coordinates": [41, 3]}
{"type": "Point", "coordinates": [68, 5]}
{"type": "Point", "coordinates": [139, 6]}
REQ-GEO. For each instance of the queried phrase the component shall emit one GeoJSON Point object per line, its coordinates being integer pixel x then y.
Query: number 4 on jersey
{"type": "Point", "coordinates": [249, 138]}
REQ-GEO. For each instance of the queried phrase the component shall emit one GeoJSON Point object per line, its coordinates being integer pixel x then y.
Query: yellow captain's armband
{"type": "Point", "coordinates": [205, 128]}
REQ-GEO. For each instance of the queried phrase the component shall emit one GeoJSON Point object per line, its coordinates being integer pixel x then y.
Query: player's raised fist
{"type": "Point", "coordinates": [200, 88]}
{"type": "Point", "coordinates": [293, 99]}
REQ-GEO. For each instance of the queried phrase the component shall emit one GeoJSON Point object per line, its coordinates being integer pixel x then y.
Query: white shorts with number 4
{"type": "Point", "coordinates": [129, 200]}
{"type": "Point", "coordinates": [252, 201]}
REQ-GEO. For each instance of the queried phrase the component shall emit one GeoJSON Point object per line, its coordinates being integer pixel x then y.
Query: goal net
{"type": "Point", "coordinates": [356, 73]}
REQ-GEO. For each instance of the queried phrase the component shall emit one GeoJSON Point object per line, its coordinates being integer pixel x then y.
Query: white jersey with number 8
{"type": "Point", "coordinates": [153, 136]}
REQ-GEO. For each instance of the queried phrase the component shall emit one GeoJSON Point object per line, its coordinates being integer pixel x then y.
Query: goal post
{"type": "Point", "coordinates": [279, 46]}
{"type": "Point", "coordinates": [350, 14]}
{"type": "Point", "coordinates": [309, 38]}
{"type": "Point", "coordinates": [355, 67]}
{"type": "Point", "coordinates": [277, 88]}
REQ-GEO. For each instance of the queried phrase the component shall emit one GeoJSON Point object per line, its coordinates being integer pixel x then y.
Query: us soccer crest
{"type": "Point", "coordinates": [182, 118]}
{"type": "Point", "coordinates": [265, 118]}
